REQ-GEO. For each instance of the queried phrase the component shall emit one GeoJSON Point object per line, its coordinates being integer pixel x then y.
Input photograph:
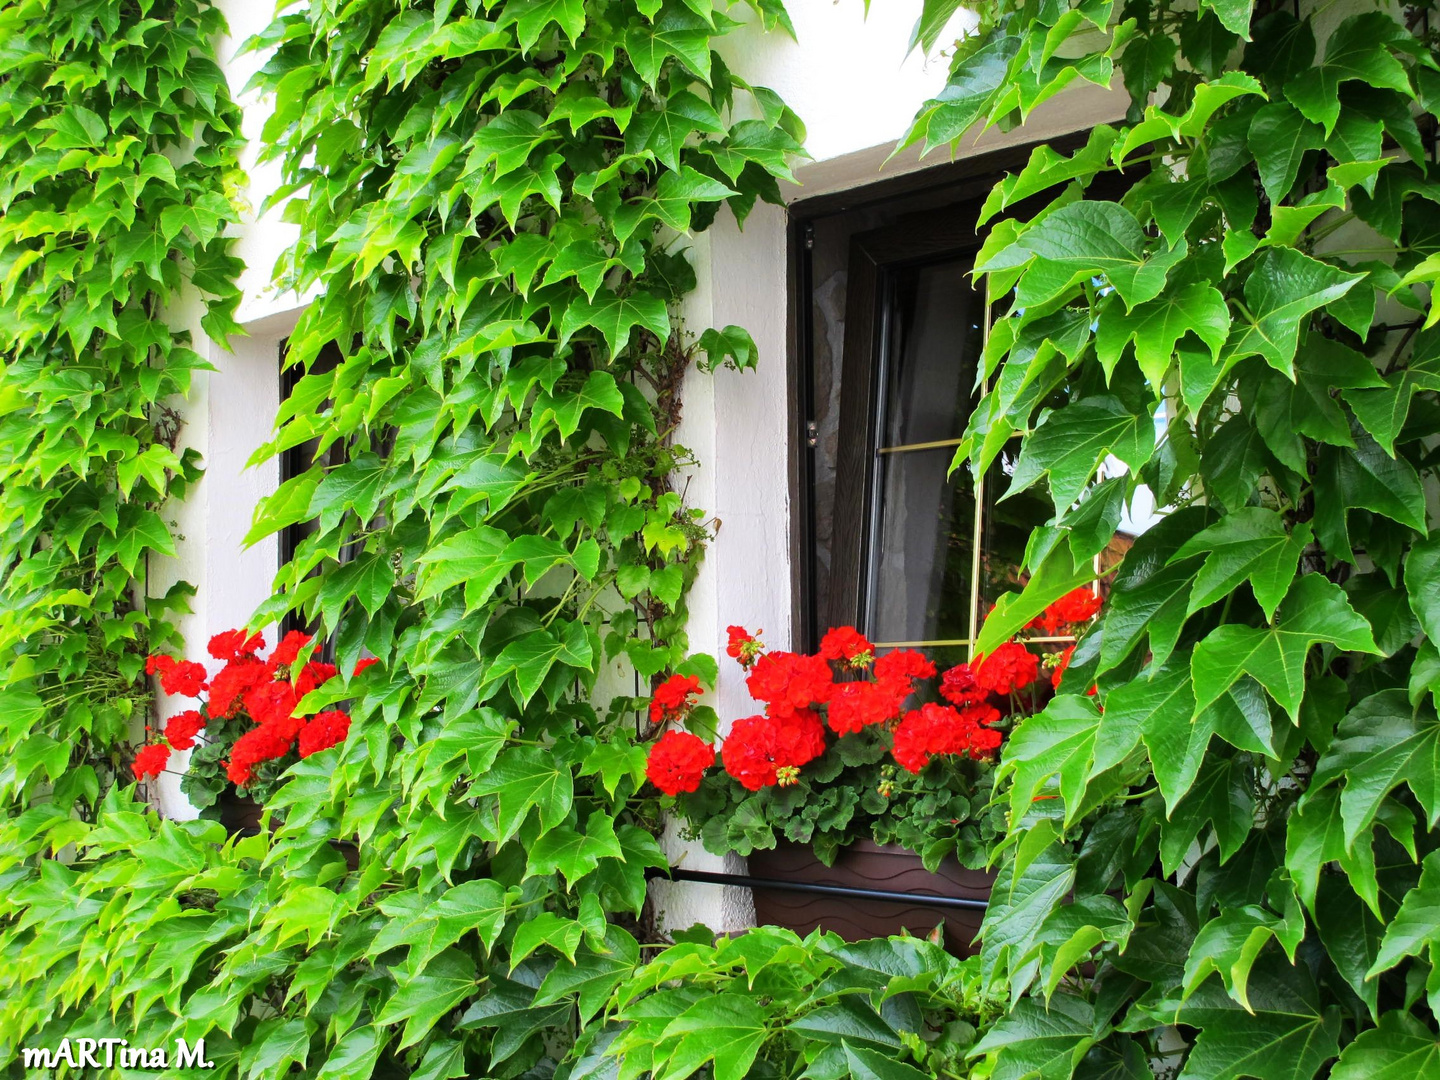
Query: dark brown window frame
{"type": "Point", "coordinates": [295, 461]}
{"type": "Point", "coordinates": [914, 237]}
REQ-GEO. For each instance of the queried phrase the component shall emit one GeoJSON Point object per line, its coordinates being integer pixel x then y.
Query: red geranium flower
{"type": "Point", "coordinates": [1010, 667]}
{"type": "Point", "coordinates": [845, 643]}
{"type": "Point", "coordinates": [1060, 667]}
{"type": "Point", "coordinates": [230, 644]}
{"type": "Point", "coordinates": [185, 678]}
{"type": "Point", "coordinates": [935, 730]}
{"type": "Point", "coordinates": [272, 704]}
{"type": "Point", "coordinates": [182, 728]}
{"type": "Point", "coordinates": [323, 731]}
{"type": "Point", "coordinates": [233, 681]}
{"type": "Point", "coordinates": [150, 761]}
{"type": "Point", "coordinates": [958, 686]}
{"type": "Point", "coordinates": [800, 740]}
{"type": "Point", "coordinates": [678, 762]}
{"type": "Point", "coordinates": [857, 705]}
{"type": "Point", "coordinates": [312, 675]}
{"type": "Point", "coordinates": [744, 646]}
{"type": "Point", "coordinates": [984, 741]}
{"type": "Point", "coordinates": [289, 648]}
{"type": "Point", "coordinates": [1077, 606]}
{"type": "Point", "coordinates": [361, 665]}
{"type": "Point", "coordinates": [788, 682]}
{"type": "Point", "coordinates": [159, 664]}
{"type": "Point", "coordinates": [671, 700]}
{"type": "Point", "coordinates": [898, 670]}
{"type": "Point", "coordinates": [765, 750]}
{"type": "Point", "coordinates": [264, 743]}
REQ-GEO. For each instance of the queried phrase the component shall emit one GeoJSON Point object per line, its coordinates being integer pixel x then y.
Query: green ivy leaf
{"type": "Point", "coordinates": [1400, 1048]}
{"type": "Point", "coordinates": [616, 318]}
{"type": "Point", "coordinates": [977, 75]}
{"type": "Point", "coordinates": [1221, 796]}
{"type": "Point", "coordinates": [354, 1055]}
{"type": "Point", "coordinates": [867, 1064]}
{"type": "Point", "coordinates": [1251, 544]}
{"type": "Point", "coordinates": [1413, 930]}
{"type": "Point", "coordinates": [1058, 574]}
{"type": "Point", "coordinates": [1089, 239]}
{"type": "Point", "coordinates": [1288, 1037]}
{"type": "Point", "coordinates": [1314, 836]}
{"type": "Point", "coordinates": [1382, 743]}
{"type": "Point", "coordinates": [1281, 290]}
{"type": "Point", "coordinates": [1358, 50]}
{"type": "Point", "coordinates": [1058, 743]}
{"type": "Point", "coordinates": [423, 997]}
{"type": "Point", "coordinates": [1363, 477]}
{"type": "Point", "coordinates": [1422, 585]}
{"type": "Point", "coordinates": [278, 1043]}
{"type": "Point", "coordinates": [1280, 138]}
{"type": "Point", "coordinates": [1384, 409]}
{"type": "Point", "coordinates": [1034, 1038]}
{"type": "Point", "coordinates": [1157, 325]}
{"type": "Point", "coordinates": [678, 33]}
{"type": "Point", "coordinates": [593, 976]}
{"type": "Point", "coordinates": [572, 853]}
{"type": "Point", "coordinates": [1314, 610]}
{"type": "Point", "coordinates": [1071, 443]}
{"type": "Point", "coordinates": [525, 778]}
{"type": "Point", "coordinates": [532, 17]}
{"type": "Point", "coordinates": [1160, 708]}
{"type": "Point", "coordinates": [727, 1029]}
{"type": "Point", "coordinates": [1230, 944]}
{"type": "Point", "coordinates": [1234, 15]}
{"type": "Point", "coordinates": [476, 557]}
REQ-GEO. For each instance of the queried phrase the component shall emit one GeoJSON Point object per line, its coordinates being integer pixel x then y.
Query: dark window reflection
{"type": "Point", "coordinates": [923, 522]}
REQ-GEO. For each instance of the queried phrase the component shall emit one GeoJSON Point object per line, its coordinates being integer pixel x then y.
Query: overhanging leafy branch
{"type": "Point", "coordinates": [1244, 323]}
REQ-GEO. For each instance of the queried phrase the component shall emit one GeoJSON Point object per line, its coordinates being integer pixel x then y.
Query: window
{"type": "Point", "coordinates": [889, 331]}
{"type": "Point", "coordinates": [294, 461]}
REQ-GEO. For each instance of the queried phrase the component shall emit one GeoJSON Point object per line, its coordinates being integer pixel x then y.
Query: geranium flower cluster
{"type": "Point", "coordinates": [266, 691]}
{"type": "Point", "coordinates": [804, 704]}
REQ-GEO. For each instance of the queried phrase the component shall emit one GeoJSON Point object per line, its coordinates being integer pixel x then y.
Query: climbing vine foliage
{"type": "Point", "coordinates": [1226, 295]}
{"type": "Point", "coordinates": [117, 157]}
{"type": "Point", "coordinates": [494, 206]}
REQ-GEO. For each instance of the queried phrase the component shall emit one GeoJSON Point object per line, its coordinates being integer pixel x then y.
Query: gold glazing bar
{"type": "Point", "coordinates": [918, 644]}
{"type": "Point", "coordinates": [978, 536]}
{"type": "Point", "coordinates": [964, 641]}
{"type": "Point", "coordinates": [918, 446]}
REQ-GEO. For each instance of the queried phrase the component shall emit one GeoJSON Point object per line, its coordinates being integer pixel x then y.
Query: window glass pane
{"type": "Point", "coordinates": [922, 547]}
{"type": "Point", "coordinates": [935, 338]}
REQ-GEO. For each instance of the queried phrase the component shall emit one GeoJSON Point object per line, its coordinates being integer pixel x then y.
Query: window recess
{"type": "Point", "coordinates": [889, 332]}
